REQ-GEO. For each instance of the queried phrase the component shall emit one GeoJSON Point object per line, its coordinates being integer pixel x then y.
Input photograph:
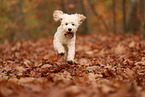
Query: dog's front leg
{"type": "Point", "coordinates": [60, 50]}
{"type": "Point", "coordinates": [71, 53]}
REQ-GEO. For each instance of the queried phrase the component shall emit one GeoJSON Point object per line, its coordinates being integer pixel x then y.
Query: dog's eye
{"type": "Point", "coordinates": [66, 23]}
{"type": "Point", "coordinates": [73, 24]}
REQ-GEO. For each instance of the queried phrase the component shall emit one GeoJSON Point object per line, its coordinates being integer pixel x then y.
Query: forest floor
{"type": "Point", "coordinates": [106, 66]}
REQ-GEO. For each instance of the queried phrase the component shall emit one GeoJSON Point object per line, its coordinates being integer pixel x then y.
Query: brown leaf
{"type": "Point", "coordinates": [25, 80]}
{"type": "Point", "coordinates": [72, 91]}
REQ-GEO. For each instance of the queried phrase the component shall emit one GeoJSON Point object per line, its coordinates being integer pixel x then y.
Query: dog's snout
{"type": "Point", "coordinates": [69, 29]}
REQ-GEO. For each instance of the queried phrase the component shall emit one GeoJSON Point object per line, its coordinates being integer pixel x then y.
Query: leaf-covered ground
{"type": "Point", "coordinates": [106, 66]}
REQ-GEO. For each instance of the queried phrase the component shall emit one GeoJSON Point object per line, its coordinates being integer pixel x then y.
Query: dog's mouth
{"type": "Point", "coordinates": [69, 34]}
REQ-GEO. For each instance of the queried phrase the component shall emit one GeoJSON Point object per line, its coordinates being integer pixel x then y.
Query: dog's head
{"type": "Point", "coordinates": [69, 23]}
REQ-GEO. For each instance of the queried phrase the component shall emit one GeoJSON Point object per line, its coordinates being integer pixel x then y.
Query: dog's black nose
{"type": "Point", "coordinates": [69, 29]}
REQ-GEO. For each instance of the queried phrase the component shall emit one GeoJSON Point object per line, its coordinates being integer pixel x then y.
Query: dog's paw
{"type": "Point", "coordinates": [70, 62]}
{"type": "Point", "coordinates": [60, 57]}
{"type": "Point", "coordinates": [61, 53]}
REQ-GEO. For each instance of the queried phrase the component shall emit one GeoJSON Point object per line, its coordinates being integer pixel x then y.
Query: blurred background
{"type": "Point", "coordinates": [32, 19]}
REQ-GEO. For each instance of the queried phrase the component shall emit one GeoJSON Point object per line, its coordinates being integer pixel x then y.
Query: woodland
{"type": "Point", "coordinates": [109, 54]}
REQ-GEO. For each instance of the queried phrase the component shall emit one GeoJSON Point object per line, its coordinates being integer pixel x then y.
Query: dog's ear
{"type": "Point", "coordinates": [58, 15]}
{"type": "Point", "coordinates": [81, 18]}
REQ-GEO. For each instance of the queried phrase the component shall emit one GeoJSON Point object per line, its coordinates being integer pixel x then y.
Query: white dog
{"type": "Point", "coordinates": [64, 38]}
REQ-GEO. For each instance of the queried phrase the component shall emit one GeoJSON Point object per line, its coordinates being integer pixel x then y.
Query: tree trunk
{"type": "Point", "coordinates": [114, 16]}
{"type": "Point", "coordinates": [142, 12]}
{"type": "Point", "coordinates": [62, 3]}
{"type": "Point", "coordinates": [124, 15]}
{"type": "Point", "coordinates": [132, 22]}
{"type": "Point", "coordinates": [77, 6]}
{"type": "Point", "coordinates": [84, 29]}
{"type": "Point", "coordinates": [19, 19]}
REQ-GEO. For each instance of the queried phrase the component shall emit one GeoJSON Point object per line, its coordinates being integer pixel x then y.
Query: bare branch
{"type": "Point", "coordinates": [96, 14]}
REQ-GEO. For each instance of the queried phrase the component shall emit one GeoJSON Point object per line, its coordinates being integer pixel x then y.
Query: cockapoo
{"type": "Point", "coordinates": [64, 38]}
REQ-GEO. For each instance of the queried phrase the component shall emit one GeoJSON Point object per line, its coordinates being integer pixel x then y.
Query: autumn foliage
{"type": "Point", "coordinates": [32, 19]}
{"type": "Point", "coordinates": [105, 66]}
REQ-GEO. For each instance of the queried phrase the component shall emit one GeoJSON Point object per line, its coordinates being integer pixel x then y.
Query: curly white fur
{"type": "Point", "coordinates": [64, 38]}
